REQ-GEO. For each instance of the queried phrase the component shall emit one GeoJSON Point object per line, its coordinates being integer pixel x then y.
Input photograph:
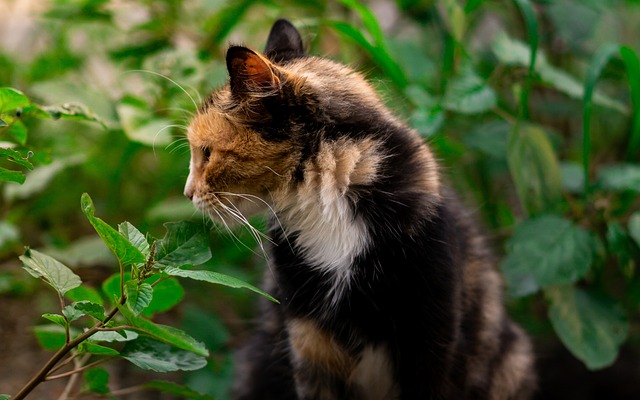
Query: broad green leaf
{"type": "Point", "coordinates": [16, 157]}
{"type": "Point", "coordinates": [71, 313]}
{"type": "Point", "coordinates": [12, 99]}
{"type": "Point", "coordinates": [185, 243]}
{"type": "Point", "coordinates": [166, 295]}
{"type": "Point", "coordinates": [93, 348]}
{"type": "Point", "coordinates": [111, 336]}
{"type": "Point", "coordinates": [634, 227]}
{"type": "Point", "coordinates": [90, 308]}
{"type": "Point", "coordinates": [56, 274]}
{"type": "Point", "coordinates": [50, 337]}
{"type": "Point", "coordinates": [56, 319]}
{"type": "Point", "coordinates": [166, 334]}
{"type": "Point", "coordinates": [467, 93]}
{"type": "Point", "coordinates": [176, 390]}
{"type": "Point", "coordinates": [126, 252]}
{"type": "Point", "coordinates": [96, 380]}
{"type": "Point", "coordinates": [7, 397]}
{"type": "Point", "coordinates": [11, 176]}
{"type": "Point", "coordinates": [217, 278]}
{"type": "Point", "coordinates": [73, 111]}
{"type": "Point", "coordinates": [632, 66]}
{"type": "Point", "coordinates": [18, 131]}
{"type": "Point", "coordinates": [82, 293]}
{"type": "Point", "coordinates": [620, 177]}
{"type": "Point", "coordinates": [534, 168]}
{"type": "Point", "coordinates": [133, 235]}
{"type": "Point", "coordinates": [138, 295]}
{"type": "Point", "coordinates": [545, 251]}
{"type": "Point", "coordinates": [592, 328]}
{"type": "Point", "coordinates": [158, 356]}
{"type": "Point", "coordinates": [142, 126]}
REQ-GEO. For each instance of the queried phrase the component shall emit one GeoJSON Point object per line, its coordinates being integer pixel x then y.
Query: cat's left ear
{"type": "Point", "coordinates": [250, 72]}
{"type": "Point", "coordinates": [284, 42]}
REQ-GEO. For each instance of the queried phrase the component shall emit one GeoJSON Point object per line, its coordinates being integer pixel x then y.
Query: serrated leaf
{"type": "Point", "coordinates": [56, 274]}
{"type": "Point", "coordinates": [133, 235]}
{"type": "Point", "coordinates": [217, 278]}
{"type": "Point", "coordinates": [163, 333]}
{"type": "Point", "coordinates": [620, 177]}
{"type": "Point", "coordinates": [16, 157]}
{"type": "Point", "coordinates": [56, 319]}
{"type": "Point", "coordinates": [82, 293]}
{"type": "Point", "coordinates": [111, 336]}
{"type": "Point", "coordinates": [126, 252]}
{"type": "Point", "coordinates": [7, 175]}
{"type": "Point", "coordinates": [50, 337]}
{"type": "Point", "coordinates": [73, 111]}
{"type": "Point", "coordinates": [176, 390]}
{"type": "Point", "coordinates": [535, 169]}
{"type": "Point", "coordinates": [185, 243]}
{"type": "Point", "coordinates": [158, 356]}
{"type": "Point", "coordinates": [71, 313]}
{"type": "Point", "coordinates": [592, 328]}
{"type": "Point", "coordinates": [90, 308]}
{"type": "Point", "coordinates": [138, 295]}
{"type": "Point", "coordinates": [96, 380]}
{"type": "Point", "coordinates": [12, 99]}
{"type": "Point", "coordinates": [546, 251]}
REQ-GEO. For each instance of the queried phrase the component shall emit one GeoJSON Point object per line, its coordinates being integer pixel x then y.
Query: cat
{"type": "Point", "coordinates": [387, 288]}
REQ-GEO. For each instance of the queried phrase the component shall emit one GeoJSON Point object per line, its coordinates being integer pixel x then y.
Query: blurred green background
{"type": "Point", "coordinates": [511, 139]}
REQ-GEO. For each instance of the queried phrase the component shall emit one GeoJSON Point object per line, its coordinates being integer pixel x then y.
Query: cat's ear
{"type": "Point", "coordinates": [284, 42]}
{"type": "Point", "coordinates": [250, 72]}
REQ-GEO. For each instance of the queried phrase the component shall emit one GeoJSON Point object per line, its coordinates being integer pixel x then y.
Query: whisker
{"type": "Point", "coordinates": [195, 105]}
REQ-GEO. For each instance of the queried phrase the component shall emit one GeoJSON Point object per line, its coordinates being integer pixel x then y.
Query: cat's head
{"type": "Point", "coordinates": [285, 123]}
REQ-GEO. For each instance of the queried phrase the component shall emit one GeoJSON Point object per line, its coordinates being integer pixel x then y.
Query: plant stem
{"type": "Point", "coordinates": [59, 355]}
{"type": "Point", "coordinates": [80, 369]}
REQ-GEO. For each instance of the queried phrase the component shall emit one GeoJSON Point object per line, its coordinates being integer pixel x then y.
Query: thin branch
{"type": "Point", "coordinates": [77, 370]}
{"type": "Point", "coordinates": [67, 335]}
{"type": "Point", "coordinates": [65, 362]}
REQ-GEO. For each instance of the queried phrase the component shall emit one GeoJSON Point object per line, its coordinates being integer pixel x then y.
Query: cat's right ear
{"type": "Point", "coordinates": [250, 72]}
{"type": "Point", "coordinates": [284, 42]}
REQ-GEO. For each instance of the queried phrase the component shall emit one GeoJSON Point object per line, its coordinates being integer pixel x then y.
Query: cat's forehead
{"type": "Point", "coordinates": [208, 125]}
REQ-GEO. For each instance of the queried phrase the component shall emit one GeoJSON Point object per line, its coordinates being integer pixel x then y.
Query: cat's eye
{"type": "Point", "coordinates": [206, 153]}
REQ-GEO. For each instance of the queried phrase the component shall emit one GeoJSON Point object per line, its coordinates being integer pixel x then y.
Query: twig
{"type": "Point", "coordinates": [75, 371]}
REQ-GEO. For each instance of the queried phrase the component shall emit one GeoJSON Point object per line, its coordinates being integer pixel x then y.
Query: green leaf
{"type": "Point", "coordinates": [92, 348]}
{"type": "Point", "coordinates": [111, 336]}
{"type": "Point", "coordinates": [97, 380]}
{"type": "Point", "coordinates": [217, 278]}
{"type": "Point", "coordinates": [157, 356]}
{"type": "Point", "coordinates": [41, 177]}
{"type": "Point", "coordinates": [16, 157]}
{"type": "Point", "coordinates": [4, 397]}
{"type": "Point", "coordinates": [138, 295]}
{"type": "Point", "coordinates": [166, 334]}
{"type": "Point", "coordinates": [455, 19]}
{"type": "Point", "coordinates": [133, 235]}
{"type": "Point", "coordinates": [467, 93]}
{"type": "Point", "coordinates": [427, 122]}
{"type": "Point", "coordinates": [140, 125]}
{"type": "Point", "coordinates": [632, 66]}
{"type": "Point", "coordinates": [620, 177]}
{"type": "Point", "coordinates": [12, 99]}
{"type": "Point", "coordinates": [3, 123]}
{"type": "Point", "coordinates": [369, 20]}
{"type": "Point", "coordinates": [11, 176]}
{"type": "Point", "coordinates": [531, 20]}
{"type": "Point", "coordinates": [166, 295]}
{"type": "Point", "coordinates": [185, 243]}
{"type": "Point", "coordinates": [73, 111]}
{"type": "Point", "coordinates": [71, 313]}
{"type": "Point", "coordinates": [592, 328]}
{"type": "Point", "coordinates": [18, 131]}
{"type": "Point", "coordinates": [84, 292]}
{"type": "Point", "coordinates": [56, 319]}
{"type": "Point", "coordinates": [50, 337]}
{"type": "Point", "coordinates": [56, 274]}
{"type": "Point", "coordinates": [546, 251]}
{"type": "Point", "coordinates": [126, 252]}
{"type": "Point", "coordinates": [634, 227]}
{"type": "Point", "coordinates": [534, 168]}
{"type": "Point", "coordinates": [90, 308]}
{"type": "Point", "coordinates": [222, 22]}
{"type": "Point", "coordinates": [176, 390]}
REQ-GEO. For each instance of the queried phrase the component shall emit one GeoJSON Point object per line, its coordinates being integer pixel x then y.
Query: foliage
{"type": "Point", "coordinates": [533, 111]}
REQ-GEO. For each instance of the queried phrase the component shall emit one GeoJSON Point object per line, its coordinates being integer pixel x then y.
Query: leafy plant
{"type": "Point", "coordinates": [87, 333]}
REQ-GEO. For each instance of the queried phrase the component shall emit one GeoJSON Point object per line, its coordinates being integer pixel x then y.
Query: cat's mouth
{"type": "Point", "coordinates": [230, 209]}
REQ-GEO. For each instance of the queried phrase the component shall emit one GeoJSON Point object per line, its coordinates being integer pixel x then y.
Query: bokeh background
{"type": "Point", "coordinates": [511, 139]}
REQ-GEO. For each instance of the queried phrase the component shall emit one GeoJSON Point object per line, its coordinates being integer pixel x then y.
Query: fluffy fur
{"type": "Point", "coordinates": [387, 289]}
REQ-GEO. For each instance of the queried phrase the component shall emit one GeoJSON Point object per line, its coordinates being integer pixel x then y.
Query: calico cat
{"type": "Point", "coordinates": [387, 288]}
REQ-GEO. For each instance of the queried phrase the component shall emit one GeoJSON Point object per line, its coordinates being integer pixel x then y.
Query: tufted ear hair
{"type": "Point", "coordinates": [249, 72]}
{"type": "Point", "coordinates": [284, 42]}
